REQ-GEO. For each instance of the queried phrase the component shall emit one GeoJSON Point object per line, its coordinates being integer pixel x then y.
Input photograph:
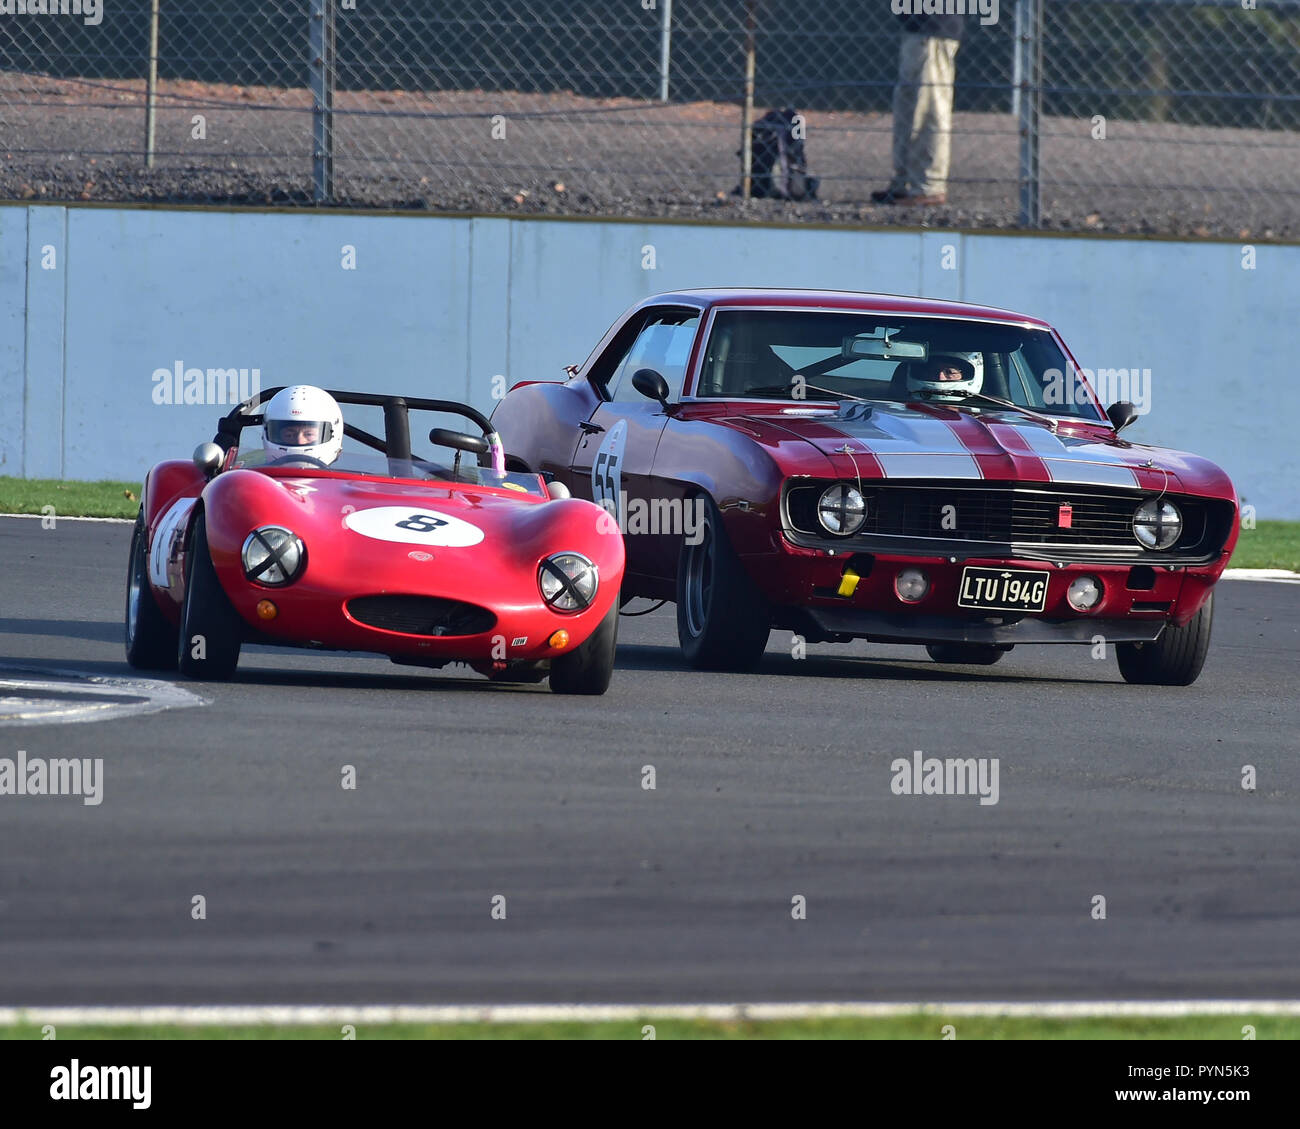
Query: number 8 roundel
{"type": "Point", "coordinates": [412, 525]}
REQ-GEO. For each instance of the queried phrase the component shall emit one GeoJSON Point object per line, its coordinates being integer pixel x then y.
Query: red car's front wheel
{"type": "Point", "coordinates": [211, 630]}
{"type": "Point", "coordinates": [587, 669]}
{"type": "Point", "coordinates": [1175, 659]}
{"type": "Point", "coordinates": [722, 618]}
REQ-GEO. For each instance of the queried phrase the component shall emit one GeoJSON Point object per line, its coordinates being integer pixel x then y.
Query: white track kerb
{"type": "Point", "coordinates": [60, 517]}
{"type": "Point", "coordinates": [1277, 575]}
{"type": "Point", "coordinates": [32, 696]}
{"type": "Point", "coordinates": [376, 1014]}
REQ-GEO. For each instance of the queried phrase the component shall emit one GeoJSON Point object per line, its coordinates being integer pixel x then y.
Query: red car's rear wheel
{"type": "Point", "coordinates": [150, 636]}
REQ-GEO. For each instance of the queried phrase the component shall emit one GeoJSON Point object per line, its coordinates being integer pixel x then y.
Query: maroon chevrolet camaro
{"type": "Point", "coordinates": [866, 466]}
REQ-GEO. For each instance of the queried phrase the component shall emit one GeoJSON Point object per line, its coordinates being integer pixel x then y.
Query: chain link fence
{"type": "Point", "coordinates": [1162, 116]}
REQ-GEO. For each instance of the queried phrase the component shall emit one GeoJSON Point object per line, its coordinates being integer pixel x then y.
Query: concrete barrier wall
{"type": "Point", "coordinates": [95, 301]}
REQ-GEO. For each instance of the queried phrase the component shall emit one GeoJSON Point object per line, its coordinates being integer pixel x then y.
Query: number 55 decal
{"type": "Point", "coordinates": [606, 471]}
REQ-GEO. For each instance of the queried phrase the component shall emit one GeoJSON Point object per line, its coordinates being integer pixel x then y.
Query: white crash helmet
{"type": "Point", "coordinates": [972, 364]}
{"type": "Point", "coordinates": [302, 404]}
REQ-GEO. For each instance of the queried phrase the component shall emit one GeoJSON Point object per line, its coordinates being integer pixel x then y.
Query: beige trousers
{"type": "Point", "coordinates": [923, 114]}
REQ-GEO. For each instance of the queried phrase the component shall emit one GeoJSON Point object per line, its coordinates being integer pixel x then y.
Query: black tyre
{"type": "Point", "coordinates": [150, 636]}
{"type": "Point", "coordinates": [211, 630]}
{"type": "Point", "coordinates": [970, 654]}
{"type": "Point", "coordinates": [1175, 659]}
{"type": "Point", "coordinates": [722, 619]}
{"type": "Point", "coordinates": [589, 668]}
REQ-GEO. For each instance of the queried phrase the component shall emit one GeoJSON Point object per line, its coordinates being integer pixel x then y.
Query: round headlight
{"type": "Point", "coordinates": [1157, 523]}
{"type": "Point", "coordinates": [842, 509]}
{"type": "Point", "coordinates": [568, 582]}
{"type": "Point", "coordinates": [272, 556]}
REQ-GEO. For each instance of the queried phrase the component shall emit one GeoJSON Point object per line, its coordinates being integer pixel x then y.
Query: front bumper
{"type": "Point", "coordinates": [1138, 601]}
{"type": "Point", "coordinates": [822, 624]}
{"type": "Point", "coordinates": [308, 616]}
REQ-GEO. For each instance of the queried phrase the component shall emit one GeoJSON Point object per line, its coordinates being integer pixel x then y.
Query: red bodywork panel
{"type": "Point", "coordinates": [327, 512]}
{"type": "Point", "coordinates": [743, 453]}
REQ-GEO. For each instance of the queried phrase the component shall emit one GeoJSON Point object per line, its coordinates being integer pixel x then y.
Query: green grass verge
{"type": "Point", "coordinates": [69, 499]}
{"type": "Point", "coordinates": [916, 1026]}
{"type": "Point", "coordinates": [1271, 544]}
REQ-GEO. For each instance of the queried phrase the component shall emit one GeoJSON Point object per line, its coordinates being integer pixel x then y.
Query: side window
{"type": "Point", "coordinates": [610, 362]}
{"type": "Point", "coordinates": [664, 344]}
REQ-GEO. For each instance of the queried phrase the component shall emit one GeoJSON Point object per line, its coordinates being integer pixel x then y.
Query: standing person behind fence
{"type": "Point", "coordinates": [927, 56]}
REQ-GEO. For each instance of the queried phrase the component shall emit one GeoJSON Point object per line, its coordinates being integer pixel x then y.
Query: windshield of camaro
{"type": "Point", "coordinates": [372, 463]}
{"type": "Point", "coordinates": [812, 355]}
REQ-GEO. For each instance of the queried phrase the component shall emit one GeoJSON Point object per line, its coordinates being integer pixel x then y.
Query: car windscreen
{"type": "Point", "coordinates": [821, 355]}
{"type": "Point", "coordinates": [375, 465]}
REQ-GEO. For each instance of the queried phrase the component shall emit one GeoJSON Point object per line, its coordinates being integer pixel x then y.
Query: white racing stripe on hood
{"type": "Point", "coordinates": [1078, 460]}
{"type": "Point", "coordinates": [911, 445]}
{"type": "Point", "coordinates": [929, 466]}
{"type": "Point", "coordinates": [1090, 474]}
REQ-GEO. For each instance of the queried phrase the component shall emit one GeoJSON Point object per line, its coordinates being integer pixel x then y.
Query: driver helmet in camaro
{"type": "Point", "coordinates": [924, 380]}
{"type": "Point", "coordinates": [302, 420]}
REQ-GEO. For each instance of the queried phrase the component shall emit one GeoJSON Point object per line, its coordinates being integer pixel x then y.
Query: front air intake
{"type": "Point", "coordinates": [421, 615]}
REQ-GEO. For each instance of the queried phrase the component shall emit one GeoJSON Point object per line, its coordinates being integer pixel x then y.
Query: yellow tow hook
{"type": "Point", "coordinates": [849, 582]}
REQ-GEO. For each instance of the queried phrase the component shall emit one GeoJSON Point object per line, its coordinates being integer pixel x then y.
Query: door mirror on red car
{"type": "Point", "coordinates": [1121, 414]}
{"type": "Point", "coordinates": [208, 457]}
{"type": "Point", "coordinates": [651, 384]}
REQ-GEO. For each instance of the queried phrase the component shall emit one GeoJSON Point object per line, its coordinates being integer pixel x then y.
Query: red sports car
{"type": "Point", "coordinates": [864, 466]}
{"type": "Point", "coordinates": [294, 541]}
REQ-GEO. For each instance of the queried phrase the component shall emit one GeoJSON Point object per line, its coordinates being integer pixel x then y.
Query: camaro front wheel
{"type": "Point", "coordinates": [722, 618]}
{"type": "Point", "coordinates": [1175, 659]}
{"type": "Point", "coordinates": [588, 668]}
{"type": "Point", "coordinates": [211, 630]}
{"type": "Point", "coordinates": [150, 636]}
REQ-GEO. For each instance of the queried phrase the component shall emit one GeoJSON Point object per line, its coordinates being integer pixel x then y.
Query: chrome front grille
{"type": "Point", "coordinates": [1000, 514]}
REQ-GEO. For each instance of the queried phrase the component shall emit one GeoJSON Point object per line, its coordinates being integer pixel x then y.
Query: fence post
{"type": "Point", "coordinates": [1029, 47]}
{"type": "Point", "coordinates": [151, 88]}
{"type": "Point", "coordinates": [321, 54]}
{"type": "Point", "coordinates": [1017, 61]}
{"type": "Point", "coordinates": [665, 48]}
{"type": "Point", "coordinates": [747, 113]}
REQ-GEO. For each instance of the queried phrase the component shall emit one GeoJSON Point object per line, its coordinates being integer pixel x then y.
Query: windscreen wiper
{"type": "Point", "coordinates": [1052, 423]}
{"type": "Point", "coordinates": [769, 389]}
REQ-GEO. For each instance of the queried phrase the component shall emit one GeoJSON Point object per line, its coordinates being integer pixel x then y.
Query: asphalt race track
{"type": "Point", "coordinates": [769, 786]}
